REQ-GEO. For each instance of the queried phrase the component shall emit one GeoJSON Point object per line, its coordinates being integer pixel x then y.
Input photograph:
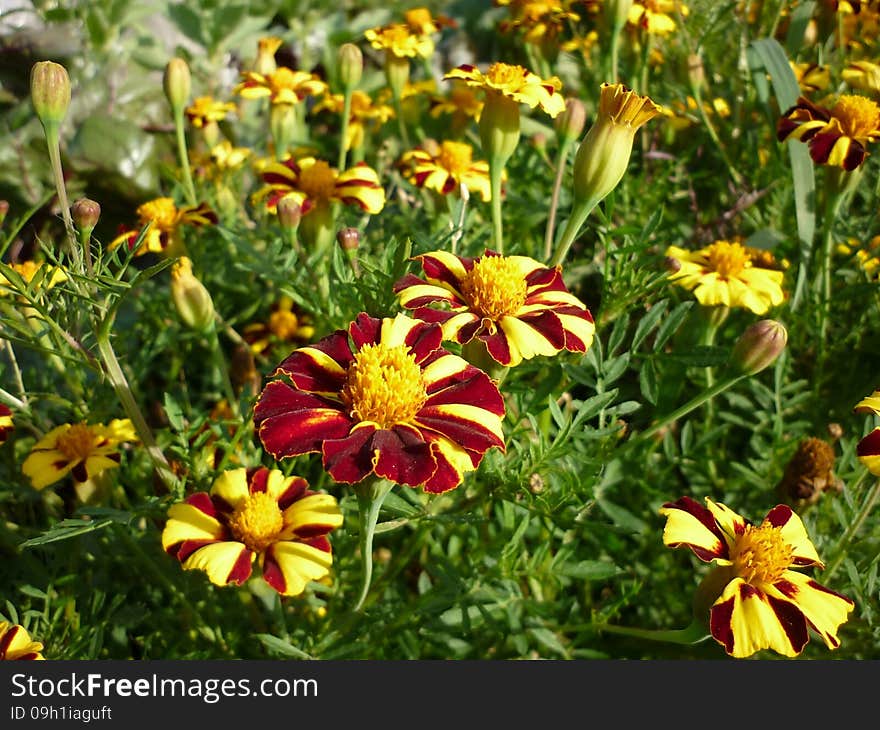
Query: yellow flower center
{"type": "Point", "coordinates": [858, 115]}
{"type": "Point", "coordinates": [455, 157]}
{"type": "Point", "coordinates": [282, 79]}
{"type": "Point", "coordinates": [495, 287]}
{"type": "Point", "coordinates": [318, 181]}
{"type": "Point", "coordinates": [727, 259]}
{"type": "Point", "coordinates": [283, 324]}
{"type": "Point", "coordinates": [76, 443]}
{"type": "Point", "coordinates": [761, 555]}
{"type": "Point", "coordinates": [384, 385]}
{"type": "Point", "coordinates": [162, 212]}
{"type": "Point", "coordinates": [257, 521]}
{"type": "Point", "coordinates": [507, 76]}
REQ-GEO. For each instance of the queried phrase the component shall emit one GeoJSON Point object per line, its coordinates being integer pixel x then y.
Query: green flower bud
{"type": "Point", "coordinates": [289, 212]}
{"type": "Point", "coordinates": [351, 65]}
{"type": "Point", "coordinates": [759, 346]}
{"type": "Point", "coordinates": [499, 126]}
{"type": "Point", "coordinates": [177, 83]}
{"type": "Point", "coordinates": [396, 73]}
{"type": "Point", "coordinates": [191, 299]}
{"type": "Point", "coordinates": [50, 92]}
{"type": "Point", "coordinates": [85, 214]}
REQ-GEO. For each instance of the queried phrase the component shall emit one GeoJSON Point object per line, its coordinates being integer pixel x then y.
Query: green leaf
{"type": "Point", "coordinates": [622, 517]}
{"type": "Point", "coordinates": [280, 646]}
{"type": "Point", "coordinates": [797, 26]}
{"type": "Point", "coordinates": [672, 323]}
{"type": "Point", "coordinates": [67, 529]}
{"type": "Point", "coordinates": [649, 322]}
{"type": "Point", "coordinates": [590, 570]}
{"type": "Point", "coordinates": [648, 382]}
{"type": "Point", "coordinates": [174, 413]}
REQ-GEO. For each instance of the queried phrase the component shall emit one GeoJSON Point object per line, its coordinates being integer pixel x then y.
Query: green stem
{"type": "Point", "coordinates": [579, 214]}
{"type": "Point", "coordinates": [496, 172]}
{"type": "Point", "coordinates": [713, 134]}
{"type": "Point", "coordinates": [401, 123]}
{"type": "Point", "coordinates": [117, 379]}
{"type": "Point", "coordinates": [854, 527]}
{"type": "Point", "coordinates": [53, 144]}
{"type": "Point", "coordinates": [183, 157]}
{"type": "Point", "coordinates": [561, 166]}
{"type": "Point", "coordinates": [370, 496]}
{"type": "Point", "coordinates": [707, 394]}
{"type": "Point", "coordinates": [223, 370]}
{"type": "Point", "coordinates": [346, 113]}
{"type": "Point", "coordinates": [615, 51]}
{"type": "Point", "coordinates": [693, 634]}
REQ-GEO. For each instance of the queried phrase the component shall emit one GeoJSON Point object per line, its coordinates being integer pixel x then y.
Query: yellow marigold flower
{"type": "Point", "coordinates": [835, 136]}
{"type": "Point", "coordinates": [16, 643]}
{"type": "Point", "coordinates": [420, 21]}
{"type": "Point", "coordinates": [47, 274]}
{"type": "Point", "coordinates": [726, 273]}
{"type": "Point", "coordinates": [6, 424]}
{"type": "Point", "coordinates": [540, 22]}
{"type": "Point", "coordinates": [78, 449]}
{"type": "Point", "coordinates": [363, 110]}
{"type": "Point", "coordinates": [460, 101]}
{"type": "Point", "coordinates": [165, 220]}
{"type": "Point", "coordinates": [656, 16]}
{"type": "Point", "coordinates": [400, 40]}
{"type": "Point", "coordinates": [811, 77]}
{"type": "Point", "coordinates": [206, 109]}
{"type": "Point", "coordinates": [583, 44]}
{"type": "Point", "coordinates": [255, 515]}
{"type": "Point", "coordinates": [515, 83]}
{"type": "Point", "coordinates": [282, 86]}
{"type": "Point", "coordinates": [227, 157]}
{"type": "Point", "coordinates": [760, 602]}
{"type": "Point", "coordinates": [862, 75]}
{"type": "Point", "coordinates": [446, 168]}
{"type": "Point", "coordinates": [284, 326]}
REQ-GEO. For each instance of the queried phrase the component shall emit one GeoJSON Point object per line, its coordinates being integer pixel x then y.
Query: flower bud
{"type": "Point", "coordinates": [396, 73]}
{"type": "Point", "coordinates": [696, 74]}
{"type": "Point", "coordinates": [176, 83]}
{"type": "Point", "coordinates": [191, 299]}
{"type": "Point", "coordinates": [50, 91]}
{"type": "Point", "coordinates": [499, 126]}
{"type": "Point", "coordinates": [85, 214]}
{"type": "Point", "coordinates": [570, 123]}
{"type": "Point", "coordinates": [289, 212]}
{"type": "Point", "coordinates": [267, 47]}
{"type": "Point", "coordinates": [351, 65]}
{"type": "Point", "coordinates": [348, 238]}
{"type": "Point", "coordinates": [759, 346]}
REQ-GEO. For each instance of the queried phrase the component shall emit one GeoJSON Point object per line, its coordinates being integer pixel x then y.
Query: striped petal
{"type": "Point", "coordinates": [360, 186]}
{"type": "Point", "coordinates": [402, 455]}
{"type": "Point", "coordinates": [412, 293]}
{"type": "Point", "coordinates": [188, 522]}
{"type": "Point", "coordinates": [471, 427]}
{"type": "Point", "coordinates": [289, 566]}
{"type": "Point", "coordinates": [691, 524]}
{"type": "Point", "coordinates": [824, 609]}
{"type": "Point", "coordinates": [868, 451]}
{"type": "Point", "coordinates": [47, 467]}
{"type": "Point", "coordinates": [313, 515]}
{"type": "Point", "coordinates": [450, 379]}
{"type": "Point", "coordinates": [319, 368]}
{"type": "Point", "coordinates": [231, 487]}
{"type": "Point", "coordinates": [729, 521]}
{"type": "Point", "coordinates": [445, 269]}
{"type": "Point", "coordinates": [349, 460]}
{"type": "Point", "coordinates": [225, 563]}
{"type": "Point", "coordinates": [452, 464]}
{"type": "Point", "coordinates": [795, 534]}
{"type": "Point", "coordinates": [870, 404]}
{"type": "Point", "coordinates": [745, 620]}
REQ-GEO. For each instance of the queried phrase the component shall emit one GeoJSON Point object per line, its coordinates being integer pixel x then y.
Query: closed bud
{"type": "Point", "coordinates": [351, 65]}
{"type": "Point", "coordinates": [348, 238]}
{"type": "Point", "coordinates": [85, 214]}
{"type": "Point", "coordinates": [570, 123]}
{"type": "Point", "coordinates": [267, 47]}
{"type": "Point", "coordinates": [176, 83]}
{"type": "Point", "coordinates": [50, 91]}
{"type": "Point", "coordinates": [759, 346]}
{"type": "Point", "coordinates": [191, 299]}
{"type": "Point", "coordinates": [289, 212]}
{"type": "Point", "coordinates": [696, 74]}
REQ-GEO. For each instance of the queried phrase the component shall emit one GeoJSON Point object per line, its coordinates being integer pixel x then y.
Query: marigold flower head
{"type": "Point", "coordinates": [446, 168]}
{"type": "Point", "coordinates": [284, 326]}
{"type": "Point", "coordinates": [383, 398]}
{"type": "Point", "coordinates": [420, 20]}
{"type": "Point", "coordinates": [226, 157]}
{"type": "Point", "coordinates": [362, 112]}
{"type": "Point", "coordinates": [78, 449]}
{"type": "Point", "coordinates": [460, 101]}
{"type": "Point", "coordinates": [763, 602]}
{"type": "Point", "coordinates": [16, 643]}
{"type": "Point", "coordinates": [165, 220]}
{"type": "Point", "coordinates": [515, 83]}
{"type": "Point", "coordinates": [255, 515]}
{"type": "Point", "coordinates": [656, 16]}
{"type": "Point", "coordinates": [811, 77]}
{"type": "Point", "coordinates": [47, 274]}
{"type": "Point", "coordinates": [281, 86]}
{"type": "Point", "coordinates": [726, 273]}
{"type": "Point", "coordinates": [399, 40]}
{"type": "Point", "coordinates": [862, 75]}
{"type": "Point", "coordinates": [518, 307]}
{"type": "Point", "coordinates": [315, 184]}
{"type": "Point", "coordinates": [868, 449]}
{"type": "Point", "coordinates": [539, 23]}
{"type": "Point", "coordinates": [206, 109]}
{"type": "Point", "coordinates": [836, 136]}
{"type": "Point", "coordinates": [6, 424]}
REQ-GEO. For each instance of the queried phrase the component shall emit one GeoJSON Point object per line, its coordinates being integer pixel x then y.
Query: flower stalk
{"type": "Point", "coordinates": [370, 496]}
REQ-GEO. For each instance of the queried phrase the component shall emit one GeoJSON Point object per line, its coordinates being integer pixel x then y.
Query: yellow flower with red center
{"type": "Point", "coordinates": [255, 515]}
{"type": "Point", "coordinates": [758, 601]}
{"type": "Point", "coordinates": [206, 109]}
{"type": "Point", "coordinates": [656, 16]}
{"type": "Point", "coordinates": [383, 398]}
{"type": "Point", "coordinates": [400, 40]}
{"type": "Point", "coordinates": [868, 449]}
{"type": "Point", "coordinates": [78, 449]}
{"type": "Point", "coordinates": [165, 221]}
{"type": "Point", "coordinates": [446, 168]}
{"type": "Point", "coordinates": [6, 424]}
{"type": "Point", "coordinates": [862, 75]}
{"type": "Point", "coordinates": [16, 643]}
{"type": "Point", "coordinates": [314, 184]}
{"type": "Point", "coordinates": [835, 136]}
{"type": "Point", "coordinates": [726, 273]}
{"type": "Point", "coordinates": [281, 86]}
{"type": "Point", "coordinates": [518, 307]}
{"type": "Point", "coordinates": [47, 274]}
{"type": "Point", "coordinates": [515, 83]}
{"type": "Point", "coordinates": [363, 110]}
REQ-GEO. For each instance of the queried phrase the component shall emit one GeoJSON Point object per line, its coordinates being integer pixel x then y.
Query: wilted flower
{"type": "Point", "coordinates": [518, 307]}
{"type": "Point", "coordinates": [78, 449]}
{"type": "Point", "coordinates": [760, 602]}
{"type": "Point", "coordinates": [253, 515]}
{"type": "Point", "coordinates": [16, 643]}
{"type": "Point", "coordinates": [383, 398]}
{"type": "Point", "coordinates": [809, 473]}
